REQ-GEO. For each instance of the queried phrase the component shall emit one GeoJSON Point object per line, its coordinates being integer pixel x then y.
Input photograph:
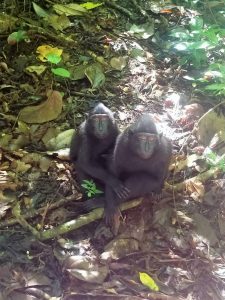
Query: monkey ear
{"type": "Point", "coordinates": [130, 131]}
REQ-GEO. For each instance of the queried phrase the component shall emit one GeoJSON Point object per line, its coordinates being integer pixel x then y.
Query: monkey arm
{"type": "Point", "coordinates": [109, 201]}
{"type": "Point", "coordinates": [98, 172]}
{"type": "Point", "coordinates": [77, 142]}
{"type": "Point", "coordinates": [140, 184]}
{"type": "Point", "coordinates": [74, 147]}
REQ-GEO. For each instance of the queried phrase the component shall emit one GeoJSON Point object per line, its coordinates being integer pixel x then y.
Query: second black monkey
{"type": "Point", "coordinates": [92, 145]}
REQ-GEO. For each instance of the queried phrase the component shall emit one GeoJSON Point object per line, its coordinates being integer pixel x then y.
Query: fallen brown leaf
{"type": "Point", "coordinates": [46, 111]}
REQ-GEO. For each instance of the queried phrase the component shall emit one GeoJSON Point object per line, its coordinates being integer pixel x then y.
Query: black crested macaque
{"type": "Point", "coordinates": [92, 146]}
{"type": "Point", "coordinates": [140, 160]}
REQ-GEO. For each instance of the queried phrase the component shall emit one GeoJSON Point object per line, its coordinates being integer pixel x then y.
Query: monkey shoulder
{"type": "Point", "coordinates": [121, 146]}
{"type": "Point", "coordinates": [83, 129]}
{"type": "Point", "coordinates": [75, 145]}
{"type": "Point", "coordinates": [81, 145]}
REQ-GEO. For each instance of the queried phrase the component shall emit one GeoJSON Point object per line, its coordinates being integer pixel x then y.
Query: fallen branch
{"type": "Point", "coordinates": [200, 177]}
{"type": "Point", "coordinates": [83, 220]}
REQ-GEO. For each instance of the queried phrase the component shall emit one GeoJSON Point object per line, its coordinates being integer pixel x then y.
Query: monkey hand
{"type": "Point", "coordinates": [122, 192]}
{"type": "Point", "coordinates": [112, 218]}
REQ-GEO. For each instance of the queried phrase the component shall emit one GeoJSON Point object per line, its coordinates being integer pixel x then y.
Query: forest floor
{"type": "Point", "coordinates": [170, 247]}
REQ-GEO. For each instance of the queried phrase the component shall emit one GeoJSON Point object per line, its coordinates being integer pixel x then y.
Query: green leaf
{"type": "Point", "coordinates": [218, 67]}
{"type": "Point", "coordinates": [90, 5]}
{"type": "Point", "coordinates": [53, 58]}
{"type": "Point", "coordinates": [87, 181]}
{"type": "Point", "coordinates": [84, 185]}
{"type": "Point", "coordinates": [71, 9]}
{"type": "Point", "coordinates": [98, 191]}
{"type": "Point", "coordinates": [78, 72]}
{"type": "Point", "coordinates": [58, 22]}
{"type": "Point", "coordinates": [84, 59]}
{"type": "Point", "coordinates": [215, 86]}
{"type": "Point", "coordinates": [196, 23]}
{"type": "Point", "coordinates": [198, 57]}
{"type": "Point", "coordinates": [199, 45]}
{"type": "Point", "coordinates": [88, 184]}
{"type": "Point", "coordinates": [135, 52]}
{"type": "Point", "coordinates": [213, 159]}
{"type": "Point", "coordinates": [16, 37]}
{"type": "Point", "coordinates": [39, 11]}
{"type": "Point", "coordinates": [183, 46]}
{"type": "Point", "coordinates": [180, 33]}
{"type": "Point", "coordinates": [148, 281]}
{"type": "Point", "coordinates": [118, 63]}
{"type": "Point", "coordinates": [61, 72]}
{"type": "Point", "coordinates": [212, 36]}
{"type": "Point", "coordinates": [183, 61]}
{"type": "Point", "coordinates": [90, 188]}
{"type": "Point", "coordinates": [95, 75]}
{"type": "Point", "coordinates": [222, 165]}
{"type": "Point", "coordinates": [143, 31]}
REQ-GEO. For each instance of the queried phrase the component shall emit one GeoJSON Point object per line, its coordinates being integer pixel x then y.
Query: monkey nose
{"type": "Point", "coordinates": [147, 146]}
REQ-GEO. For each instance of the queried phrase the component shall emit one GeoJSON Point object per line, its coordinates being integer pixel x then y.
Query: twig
{"type": "Point", "coordinates": [40, 211]}
{"type": "Point", "coordinates": [121, 9]}
{"type": "Point", "coordinates": [141, 10]}
{"type": "Point", "coordinates": [20, 219]}
{"type": "Point", "coordinates": [59, 38]}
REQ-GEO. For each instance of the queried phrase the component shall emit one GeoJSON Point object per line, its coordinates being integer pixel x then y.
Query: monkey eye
{"type": "Point", "coordinates": [147, 136]}
{"type": "Point", "coordinates": [152, 138]}
{"type": "Point", "coordinates": [142, 138]}
{"type": "Point", "coordinates": [104, 117]}
{"type": "Point", "coordinates": [97, 117]}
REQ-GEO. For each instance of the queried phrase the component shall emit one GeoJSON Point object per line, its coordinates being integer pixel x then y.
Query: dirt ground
{"type": "Point", "coordinates": [47, 249]}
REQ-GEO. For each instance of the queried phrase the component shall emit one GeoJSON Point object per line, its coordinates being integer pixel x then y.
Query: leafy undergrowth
{"type": "Point", "coordinates": [56, 61]}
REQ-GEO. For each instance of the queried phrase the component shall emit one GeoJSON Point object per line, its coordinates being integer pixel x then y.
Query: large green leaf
{"type": "Point", "coordinates": [61, 72]}
{"type": "Point", "coordinates": [95, 75]}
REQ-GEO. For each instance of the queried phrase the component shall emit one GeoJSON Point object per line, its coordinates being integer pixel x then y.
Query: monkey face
{"type": "Point", "coordinates": [144, 144]}
{"type": "Point", "coordinates": [100, 124]}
